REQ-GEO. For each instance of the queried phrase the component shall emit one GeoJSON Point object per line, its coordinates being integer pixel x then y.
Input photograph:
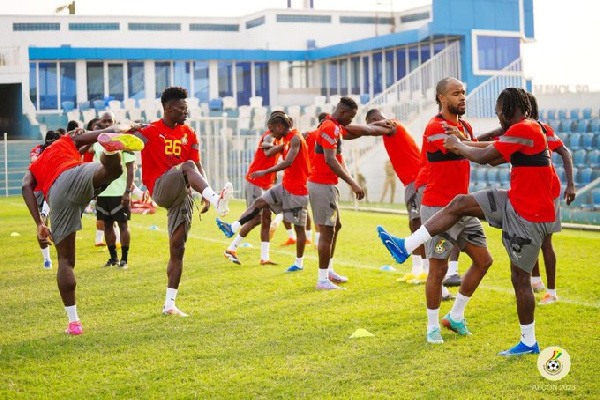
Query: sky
{"type": "Point", "coordinates": [565, 51]}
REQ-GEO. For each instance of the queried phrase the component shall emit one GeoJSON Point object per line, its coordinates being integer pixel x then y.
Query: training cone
{"type": "Point", "coordinates": [388, 268]}
{"type": "Point", "coordinates": [153, 228]}
{"type": "Point", "coordinates": [361, 333]}
{"type": "Point", "coordinates": [15, 234]}
{"type": "Point", "coordinates": [245, 245]}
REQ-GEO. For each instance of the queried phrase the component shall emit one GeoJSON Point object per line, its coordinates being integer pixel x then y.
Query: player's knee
{"type": "Point", "coordinates": [177, 250]}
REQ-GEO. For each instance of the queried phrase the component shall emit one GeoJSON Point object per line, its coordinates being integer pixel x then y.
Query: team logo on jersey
{"type": "Point", "coordinates": [440, 246]}
{"type": "Point", "coordinates": [184, 139]}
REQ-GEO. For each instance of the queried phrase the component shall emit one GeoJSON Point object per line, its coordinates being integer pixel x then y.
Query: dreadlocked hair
{"type": "Point", "coordinates": [535, 114]}
{"type": "Point", "coordinates": [51, 137]}
{"type": "Point", "coordinates": [280, 117]}
{"type": "Point", "coordinates": [513, 99]}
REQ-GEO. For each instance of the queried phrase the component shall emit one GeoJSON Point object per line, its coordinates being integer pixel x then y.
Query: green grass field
{"type": "Point", "coordinates": [256, 332]}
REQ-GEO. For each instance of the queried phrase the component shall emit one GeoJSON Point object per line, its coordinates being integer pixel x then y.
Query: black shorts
{"type": "Point", "coordinates": [109, 209]}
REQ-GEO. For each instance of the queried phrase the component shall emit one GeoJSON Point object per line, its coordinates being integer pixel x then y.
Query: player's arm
{"type": "Point", "coordinates": [356, 131]}
{"type": "Point", "coordinates": [336, 167]}
{"type": "Point", "coordinates": [491, 134]}
{"type": "Point", "coordinates": [475, 154]}
{"type": "Point", "coordinates": [29, 183]}
{"type": "Point", "coordinates": [570, 190]}
{"type": "Point", "coordinates": [269, 148]}
{"type": "Point", "coordinates": [286, 163]}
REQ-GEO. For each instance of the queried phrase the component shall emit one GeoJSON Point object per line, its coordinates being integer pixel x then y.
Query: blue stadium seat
{"type": "Point", "coordinates": [68, 106]}
{"type": "Point", "coordinates": [215, 104]}
{"type": "Point", "coordinates": [564, 136]}
{"type": "Point", "coordinates": [83, 106]}
{"type": "Point", "coordinates": [595, 173]}
{"type": "Point", "coordinates": [556, 159]}
{"type": "Point", "coordinates": [560, 172]}
{"type": "Point", "coordinates": [567, 125]}
{"type": "Point", "coordinates": [479, 187]}
{"type": "Point", "coordinates": [579, 158]}
{"type": "Point", "coordinates": [555, 124]}
{"type": "Point", "coordinates": [586, 113]}
{"type": "Point", "coordinates": [575, 141]}
{"type": "Point", "coordinates": [99, 105]}
{"type": "Point", "coordinates": [564, 178]}
{"type": "Point", "coordinates": [582, 126]}
{"type": "Point", "coordinates": [596, 197]}
{"type": "Point", "coordinates": [574, 113]}
{"type": "Point", "coordinates": [584, 177]}
{"type": "Point", "coordinates": [587, 139]}
{"type": "Point", "coordinates": [594, 158]}
{"type": "Point", "coordinates": [596, 140]}
{"type": "Point", "coordinates": [595, 125]}
{"type": "Point", "coordinates": [562, 114]}
{"type": "Point", "coordinates": [492, 177]}
{"type": "Point", "coordinates": [364, 98]}
{"type": "Point", "coordinates": [542, 114]}
{"type": "Point", "coordinates": [551, 114]}
{"type": "Point", "coordinates": [504, 177]}
{"type": "Point", "coordinates": [482, 175]}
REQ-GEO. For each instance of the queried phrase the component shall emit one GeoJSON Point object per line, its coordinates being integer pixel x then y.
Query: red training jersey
{"type": "Point", "coordinates": [57, 158]}
{"type": "Point", "coordinates": [327, 136]}
{"type": "Point", "coordinates": [448, 174]}
{"type": "Point", "coordinates": [88, 156]}
{"type": "Point", "coordinates": [554, 143]}
{"type": "Point", "coordinates": [311, 138]}
{"type": "Point", "coordinates": [165, 148]}
{"type": "Point", "coordinates": [296, 175]}
{"type": "Point", "coordinates": [262, 161]}
{"type": "Point", "coordinates": [530, 193]}
{"type": "Point", "coordinates": [404, 154]}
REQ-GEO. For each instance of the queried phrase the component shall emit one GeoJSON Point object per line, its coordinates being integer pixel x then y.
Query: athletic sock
{"type": "Point", "coordinates": [317, 237]}
{"type": "Point", "coordinates": [425, 266]}
{"type": "Point", "coordinates": [417, 265]}
{"type": "Point", "coordinates": [278, 218]}
{"type": "Point", "coordinates": [99, 236]}
{"type": "Point", "coordinates": [291, 234]}
{"type": "Point", "coordinates": [124, 252]}
{"type": "Point", "coordinates": [528, 334]}
{"type": "Point", "coordinates": [433, 319]}
{"type": "Point", "coordinates": [330, 268]}
{"type": "Point", "coordinates": [445, 291]}
{"type": "Point", "coordinates": [419, 237]}
{"type": "Point", "coordinates": [264, 251]}
{"type": "Point", "coordinates": [72, 313]}
{"type": "Point", "coordinates": [170, 298]}
{"type": "Point", "coordinates": [235, 226]}
{"type": "Point", "coordinates": [299, 262]}
{"type": "Point", "coordinates": [211, 196]}
{"type": "Point", "coordinates": [46, 253]}
{"type": "Point", "coordinates": [323, 275]}
{"type": "Point", "coordinates": [536, 279]}
{"type": "Point", "coordinates": [452, 268]}
{"type": "Point", "coordinates": [113, 252]}
{"type": "Point", "coordinates": [458, 309]}
{"type": "Point", "coordinates": [235, 243]}
{"type": "Point", "coordinates": [117, 234]}
{"type": "Point", "coordinates": [551, 292]}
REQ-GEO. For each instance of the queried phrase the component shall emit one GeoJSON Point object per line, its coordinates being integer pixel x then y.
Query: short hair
{"type": "Point", "coordinates": [348, 102]}
{"type": "Point", "coordinates": [535, 113]}
{"type": "Point", "coordinates": [513, 99]}
{"type": "Point", "coordinates": [51, 137]}
{"type": "Point", "coordinates": [322, 116]}
{"type": "Point", "coordinates": [91, 124]}
{"type": "Point", "coordinates": [280, 117]}
{"type": "Point", "coordinates": [372, 111]}
{"type": "Point", "coordinates": [440, 89]}
{"type": "Point", "coordinates": [72, 125]}
{"type": "Point", "coordinates": [61, 131]}
{"type": "Point", "coordinates": [173, 93]}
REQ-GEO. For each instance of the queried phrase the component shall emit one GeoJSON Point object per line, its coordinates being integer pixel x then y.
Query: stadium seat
{"type": "Point", "coordinates": [594, 158]}
{"type": "Point", "coordinates": [560, 172]}
{"type": "Point", "coordinates": [73, 115]}
{"type": "Point", "coordinates": [88, 115]}
{"type": "Point", "coordinates": [574, 113]}
{"type": "Point", "coordinates": [555, 125]}
{"type": "Point", "coordinates": [256, 101]}
{"type": "Point", "coordinates": [542, 115]}
{"type": "Point", "coordinates": [114, 105]}
{"type": "Point", "coordinates": [551, 114]}
{"type": "Point", "coordinates": [193, 102]}
{"type": "Point", "coordinates": [596, 140]}
{"type": "Point", "coordinates": [579, 158]}
{"type": "Point", "coordinates": [564, 136]}
{"type": "Point", "coordinates": [129, 104]}
{"type": "Point", "coordinates": [582, 126]}
{"type": "Point", "coordinates": [215, 105]}
{"type": "Point", "coordinates": [584, 177]}
{"type": "Point", "coordinates": [482, 175]}
{"type": "Point", "coordinates": [587, 140]}
{"type": "Point", "coordinates": [504, 177]}
{"type": "Point", "coordinates": [320, 100]}
{"type": "Point", "coordinates": [364, 98]}
{"type": "Point", "coordinates": [586, 113]}
{"type": "Point", "coordinates": [595, 125]}
{"type": "Point", "coordinates": [229, 103]}
{"type": "Point", "coordinates": [562, 114]}
{"type": "Point", "coordinates": [150, 114]}
{"type": "Point", "coordinates": [492, 177]}
{"type": "Point", "coordinates": [596, 197]}
{"type": "Point", "coordinates": [85, 105]}
{"type": "Point", "coordinates": [135, 114]}
{"type": "Point", "coordinates": [575, 141]}
{"type": "Point", "coordinates": [120, 115]}
{"type": "Point", "coordinates": [556, 159]}
{"type": "Point", "coordinates": [567, 125]}
{"type": "Point", "coordinates": [68, 106]}
{"type": "Point", "coordinates": [99, 105]}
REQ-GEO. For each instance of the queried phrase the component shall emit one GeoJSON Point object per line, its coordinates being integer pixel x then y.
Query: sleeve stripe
{"type": "Point", "coordinates": [516, 140]}
{"type": "Point", "coordinates": [552, 139]}
{"type": "Point", "coordinates": [328, 138]}
{"type": "Point", "coordinates": [437, 136]}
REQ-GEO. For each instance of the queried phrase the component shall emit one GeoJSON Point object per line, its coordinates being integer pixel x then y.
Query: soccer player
{"type": "Point", "coordinates": [69, 185]}
{"type": "Point", "coordinates": [448, 177]}
{"type": "Point", "coordinates": [267, 152]}
{"type": "Point", "coordinates": [290, 197]}
{"type": "Point", "coordinates": [171, 165]}
{"type": "Point", "coordinates": [112, 204]}
{"type": "Point", "coordinates": [525, 212]}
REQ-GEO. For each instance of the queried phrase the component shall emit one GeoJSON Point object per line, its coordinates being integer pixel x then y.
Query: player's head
{"type": "Point", "coordinates": [72, 125]}
{"type": "Point", "coordinates": [512, 106]}
{"type": "Point", "coordinates": [91, 124]}
{"type": "Point", "coordinates": [535, 114]}
{"type": "Point", "coordinates": [374, 115]}
{"type": "Point", "coordinates": [279, 124]}
{"type": "Point", "coordinates": [345, 111]}
{"type": "Point", "coordinates": [450, 96]}
{"type": "Point", "coordinates": [61, 131]}
{"type": "Point", "coordinates": [174, 104]}
{"type": "Point", "coordinates": [107, 118]}
{"type": "Point", "coordinates": [321, 117]}
{"type": "Point", "coordinates": [51, 137]}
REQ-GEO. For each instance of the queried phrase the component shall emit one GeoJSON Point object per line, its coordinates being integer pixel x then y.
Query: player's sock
{"type": "Point", "coordinates": [433, 319]}
{"type": "Point", "coordinates": [551, 292]}
{"type": "Point", "coordinates": [170, 298]}
{"type": "Point", "coordinates": [323, 274]}
{"type": "Point", "coordinates": [299, 262]}
{"type": "Point", "coordinates": [113, 252]}
{"type": "Point", "coordinates": [279, 218]}
{"type": "Point", "coordinates": [309, 234]}
{"type": "Point", "coordinates": [235, 226]}
{"type": "Point", "coordinates": [419, 237]}
{"type": "Point", "coordinates": [452, 269]}
{"type": "Point", "coordinates": [317, 237]}
{"type": "Point", "coordinates": [117, 235]}
{"type": "Point", "coordinates": [211, 196]}
{"type": "Point", "coordinates": [291, 233]}
{"type": "Point", "coordinates": [425, 266]}
{"type": "Point", "coordinates": [99, 236]}
{"type": "Point", "coordinates": [445, 291]}
{"type": "Point", "coordinates": [46, 253]}
{"type": "Point", "coordinates": [235, 243]}
{"type": "Point", "coordinates": [528, 334]}
{"type": "Point", "coordinates": [458, 309]}
{"type": "Point", "coordinates": [264, 251]}
{"type": "Point", "coordinates": [72, 313]}
{"type": "Point", "coordinates": [124, 253]}
{"type": "Point", "coordinates": [417, 265]}
{"type": "Point", "coordinates": [330, 268]}
{"type": "Point", "coordinates": [536, 279]}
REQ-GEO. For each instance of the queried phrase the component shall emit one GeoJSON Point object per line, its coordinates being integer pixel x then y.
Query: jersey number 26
{"type": "Point", "coordinates": [172, 147]}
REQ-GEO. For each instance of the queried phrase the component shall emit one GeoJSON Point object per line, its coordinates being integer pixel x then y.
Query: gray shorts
{"type": "Point", "coordinates": [521, 239]}
{"type": "Point", "coordinates": [557, 227]}
{"type": "Point", "coordinates": [467, 230]}
{"type": "Point", "coordinates": [171, 192]}
{"type": "Point", "coordinates": [412, 201]}
{"type": "Point", "coordinates": [69, 195]}
{"type": "Point", "coordinates": [324, 203]}
{"type": "Point", "coordinates": [253, 192]}
{"type": "Point", "coordinates": [39, 199]}
{"type": "Point", "coordinates": [293, 207]}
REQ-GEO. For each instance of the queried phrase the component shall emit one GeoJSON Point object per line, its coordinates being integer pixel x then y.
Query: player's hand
{"type": "Point", "coordinates": [569, 195]}
{"type": "Point", "coordinates": [44, 236]}
{"type": "Point", "coordinates": [205, 206]}
{"type": "Point", "coordinates": [451, 143]}
{"type": "Point", "coordinates": [126, 200]}
{"type": "Point", "coordinates": [257, 174]}
{"type": "Point", "coordinates": [453, 130]}
{"type": "Point", "coordinates": [358, 191]}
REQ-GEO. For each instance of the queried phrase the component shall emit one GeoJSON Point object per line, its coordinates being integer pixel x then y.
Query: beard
{"type": "Point", "coordinates": [455, 110]}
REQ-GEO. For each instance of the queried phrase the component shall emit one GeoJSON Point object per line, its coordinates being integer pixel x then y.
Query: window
{"type": "Point", "coordinates": [366, 78]}
{"type": "Point", "coordinates": [344, 19]}
{"type": "Point", "coordinates": [439, 46]}
{"type": "Point", "coordinates": [135, 79]}
{"type": "Point", "coordinates": [377, 72]}
{"type": "Point", "coordinates": [215, 27]}
{"type": "Point", "coordinates": [116, 84]}
{"type": "Point", "coordinates": [225, 70]}
{"type": "Point", "coordinates": [323, 19]}
{"type": "Point", "coordinates": [181, 75]}
{"type": "Point", "coordinates": [495, 53]}
{"type": "Point", "coordinates": [36, 26]}
{"type": "Point", "coordinates": [324, 84]}
{"type": "Point", "coordinates": [253, 23]}
{"type": "Point", "coordinates": [293, 74]}
{"type": "Point", "coordinates": [33, 84]}
{"type": "Point", "coordinates": [243, 72]}
{"type": "Point", "coordinates": [355, 75]}
{"type": "Point", "coordinates": [343, 77]}
{"type": "Point", "coordinates": [162, 73]}
{"type": "Point", "coordinates": [425, 52]}
{"type": "Point", "coordinates": [48, 89]}
{"type": "Point", "coordinates": [414, 17]}
{"type": "Point", "coordinates": [94, 26]}
{"type": "Point", "coordinates": [68, 85]}
{"type": "Point", "coordinates": [333, 77]}
{"type": "Point", "coordinates": [201, 82]}
{"type": "Point", "coordinates": [401, 63]}
{"type": "Point", "coordinates": [389, 69]}
{"type": "Point", "coordinates": [95, 80]}
{"type": "Point", "coordinates": [144, 26]}
{"type": "Point", "coordinates": [413, 58]}
{"type": "Point", "coordinates": [261, 81]}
